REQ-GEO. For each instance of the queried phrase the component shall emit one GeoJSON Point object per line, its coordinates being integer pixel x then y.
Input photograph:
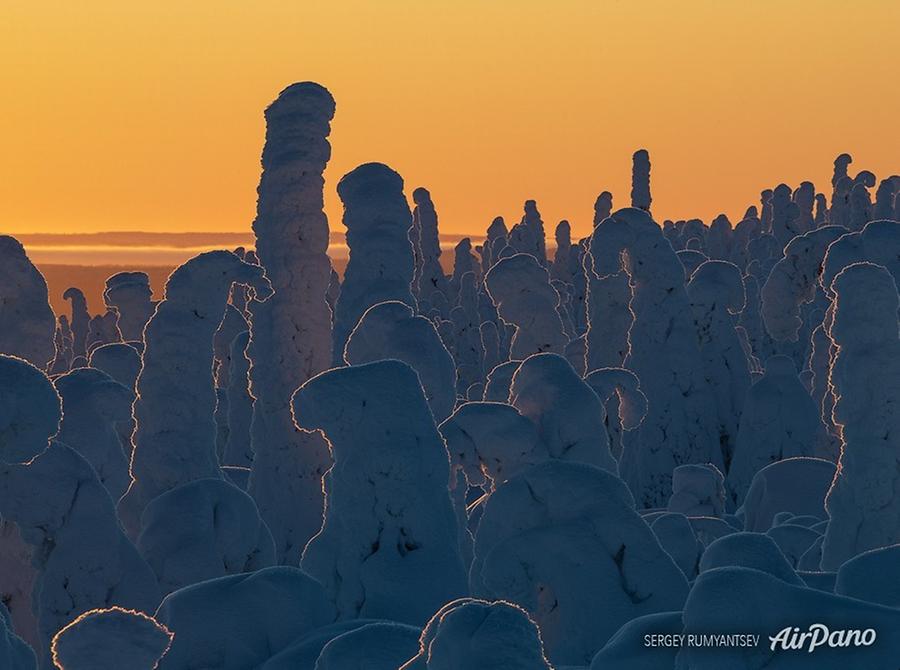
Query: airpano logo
{"type": "Point", "coordinates": [819, 635]}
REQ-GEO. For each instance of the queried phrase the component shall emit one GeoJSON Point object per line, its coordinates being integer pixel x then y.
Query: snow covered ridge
{"type": "Point", "coordinates": [663, 446]}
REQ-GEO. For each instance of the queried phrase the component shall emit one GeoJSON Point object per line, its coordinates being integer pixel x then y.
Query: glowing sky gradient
{"type": "Point", "coordinates": [132, 115]}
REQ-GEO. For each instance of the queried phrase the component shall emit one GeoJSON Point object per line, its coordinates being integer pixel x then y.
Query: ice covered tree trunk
{"type": "Point", "coordinates": [388, 514]}
{"type": "Point", "coordinates": [468, 351]}
{"type": "Point", "coordinates": [681, 424]}
{"type": "Point", "coordinates": [129, 295]}
{"type": "Point", "coordinates": [494, 241]}
{"type": "Point", "coordinates": [431, 278]}
{"type": "Point", "coordinates": [29, 325]}
{"type": "Point", "coordinates": [640, 180]}
{"type": "Point", "coordinates": [841, 163]}
{"type": "Point", "coordinates": [238, 449]}
{"type": "Point", "coordinates": [804, 197]}
{"type": "Point", "coordinates": [175, 434]}
{"type": "Point", "coordinates": [863, 506]}
{"type": "Point", "coordinates": [291, 331]}
{"type": "Point", "coordinates": [62, 360]}
{"type": "Point", "coordinates": [602, 207]}
{"type": "Point", "coordinates": [81, 319]}
{"type": "Point", "coordinates": [561, 267]}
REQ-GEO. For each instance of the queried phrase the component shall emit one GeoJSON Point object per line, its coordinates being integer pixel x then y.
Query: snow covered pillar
{"type": "Point", "coordinates": [862, 503]}
{"type": "Point", "coordinates": [432, 277]}
{"type": "Point", "coordinates": [29, 326]}
{"type": "Point", "coordinates": [602, 207]}
{"type": "Point", "coordinates": [291, 331]}
{"type": "Point", "coordinates": [380, 268]}
{"type": "Point", "coordinates": [174, 411]}
{"type": "Point", "coordinates": [640, 180]}
{"type": "Point", "coordinates": [129, 294]}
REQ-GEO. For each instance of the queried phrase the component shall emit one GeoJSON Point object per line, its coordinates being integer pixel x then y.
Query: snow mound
{"type": "Point", "coordinates": [567, 413]}
{"type": "Point", "coordinates": [119, 360]}
{"type": "Point", "coordinates": [111, 639]}
{"type": "Point", "coordinates": [375, 646]}
{"type": "Point", "coordinates": [30, 410]}
{"type": "Point", "coordinates": [240, 621]}
{"type": "Point", "coordinates": [697, 490]}
{"type": "Point", "coordinates": [520, 288]}
{"type": "Point", "coordinates": [872, 576]}
{"type": "Point", "coordinates": [392, 330]}
{"type": "Point", "coordinates": [83, 559]}
{"type": "Point", "coordinates": [676, 537]}
{"type": "Point", "coordinates": [94, 405]}
{"type": "Point", "coordinates": [626, 649]}
{"type": "Point", "coordinates": [14, 653]}
{"type": "Point", "coordinates": [479, 635]}
{"type": "Point", "coordinates": [878, 243]}
{"type": "Point", "coordinates": [491, 442]}
{"type": "Point", "coordinates": [796, 485]}
{"type": "Point", "coordinates": [747, 601]}
{"type": "Point", "coordinates": [388, 547]}
{"type": "Point", "coordinates": [564, 541]}
{"type": "Point", "coordinates": [780, 420]}
{"type": "Point", "coordinates": [749, 550]}
{"type": "Point", "coordinates": [303, 652]}
{"type": "Point", "coordinates": [201, 530]}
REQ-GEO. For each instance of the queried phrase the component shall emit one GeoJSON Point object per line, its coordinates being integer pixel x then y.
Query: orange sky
{"type": "Point", "coordinates": [132, 115]}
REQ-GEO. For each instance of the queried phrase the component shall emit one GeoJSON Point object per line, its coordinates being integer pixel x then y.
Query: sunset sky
{"type": "Point", "coordinates": [148, 116]}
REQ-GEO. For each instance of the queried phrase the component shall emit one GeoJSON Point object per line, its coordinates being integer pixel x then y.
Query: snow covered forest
{"type": "Point", "coordinates": [540, 460]}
